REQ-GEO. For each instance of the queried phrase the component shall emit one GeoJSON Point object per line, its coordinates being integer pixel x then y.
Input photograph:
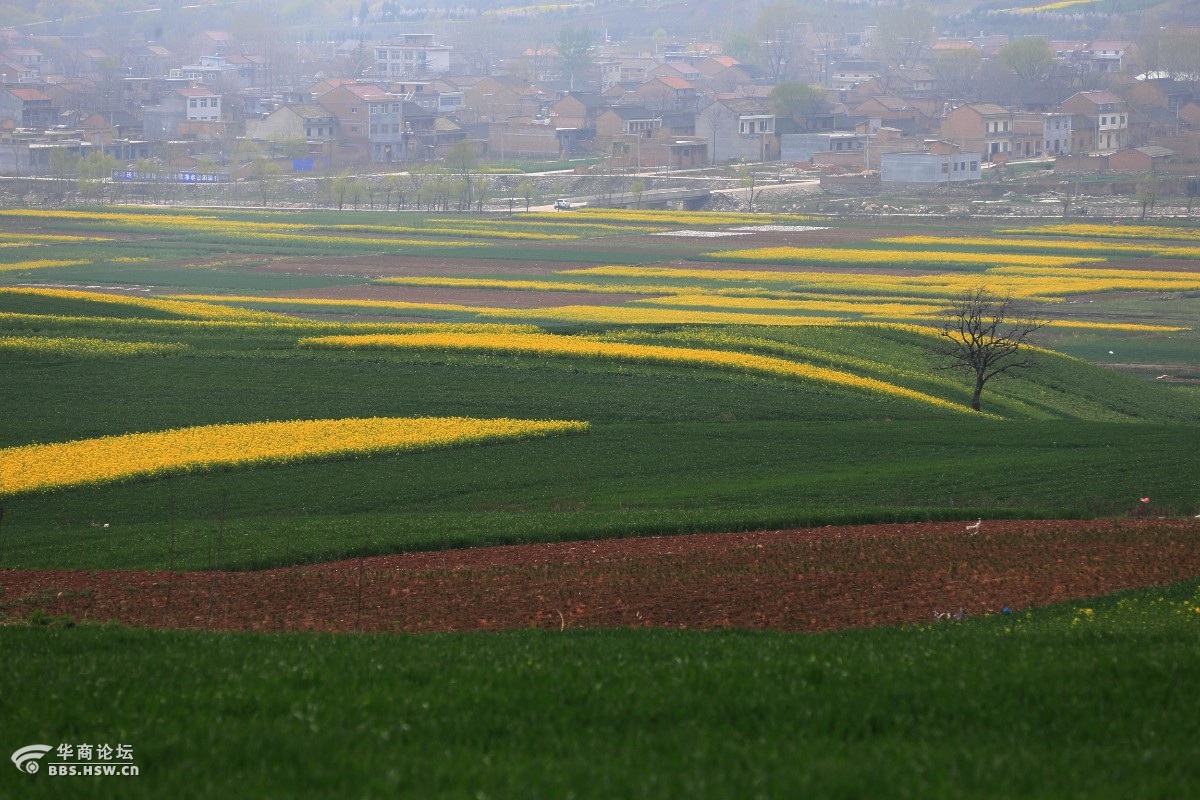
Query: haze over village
{"type": "Point", "coordinates": [602, 399]}
{"type": "Point", "coordinates": [869, 94]}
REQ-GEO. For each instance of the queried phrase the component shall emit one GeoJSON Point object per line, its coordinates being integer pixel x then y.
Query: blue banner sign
{"type": "Point", "coordinates": [169, 177]}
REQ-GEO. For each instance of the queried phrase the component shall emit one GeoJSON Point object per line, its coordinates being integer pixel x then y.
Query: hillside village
{"type": "Point", "coordinates": [940, 112]}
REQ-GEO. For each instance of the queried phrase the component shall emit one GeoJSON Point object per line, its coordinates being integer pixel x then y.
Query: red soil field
{"type": "Point", "coordinates": [794, 580]}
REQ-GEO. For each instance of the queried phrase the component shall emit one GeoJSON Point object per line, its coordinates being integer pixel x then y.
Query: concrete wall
{"type": "Point", "coordinates": [930, 168]}
{"type": "Point", "coordinates": [804, 146]}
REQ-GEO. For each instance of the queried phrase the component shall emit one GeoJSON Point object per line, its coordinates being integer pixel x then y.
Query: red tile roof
{"type": "Point", "coordinates": [28, 93]}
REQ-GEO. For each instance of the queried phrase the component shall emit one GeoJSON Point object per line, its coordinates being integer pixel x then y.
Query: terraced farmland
{"type": "Point", "coordinates": [657, 429]}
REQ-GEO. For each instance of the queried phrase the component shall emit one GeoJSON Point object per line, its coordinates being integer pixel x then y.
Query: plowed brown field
{"type": "Point", "coordinates": [799, 580]}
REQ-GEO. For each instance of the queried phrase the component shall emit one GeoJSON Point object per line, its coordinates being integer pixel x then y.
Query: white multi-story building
{"type": "Point", "coordinates": [1101, 121]}
{"type": "Point", "coordinates": [412, 55]}
{"type": "Point", "coordinates": [1056, 132]}
{"type": "Point", "coordinates": [203, 104]}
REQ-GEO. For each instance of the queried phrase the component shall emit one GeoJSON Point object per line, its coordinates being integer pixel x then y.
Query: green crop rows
{"type": "Point", "coordinates": [1000, 707]}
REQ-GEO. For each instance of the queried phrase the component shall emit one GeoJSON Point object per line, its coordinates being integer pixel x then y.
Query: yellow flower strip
{"type": "Point", "coordinates": [317, 302]}
{"type": "Point", "coordinates": [624, 315]}
{"type": "Point", "coordinates": [82, 346]}
{"type": "Point", "coordinates": [727, 338]}
{"type": "Point", "coordinates": [1021, 283]}
{"type": "Point", "coordinates": [11, 239]}
{"type": "Point", "coordinates": [689, 218]}
{"type": "Point", "coordinates": [1147, 249]}
{"type": "Point", "coordinates": [616, 315]}
{"type": "Point", "coordinates": [168, 305]}
{"type": "Point", "coordinates": [1097, 273]}
{"type": "Point", "coordinates": [214, 224]}
{"type": "Point", "coordinates": [867, 307]}
{"type": "Point", "coordinates": [578, 226]}
{"type": "Point", "coordinates": [1113, 231]}
{"type": "Point", "coordinates": [154, 221]}
{"type": "Point", "coordinates": [240, 229]}
{"type": "Point", "coordinates": [111, 458]}
{"type": "Point", "coordinates": [497, 233]}
{"type": "Point", "coordinates": [1113, 326]}
{"type": "Point", "coordinates": [851, 256]}
{"type": "Point", "coordinates": [1054, 6]}
{"type": "Point", "coordinates": [278, 322]}
{"type": "Point", "coordinates": [591, 348]}
{"type": "Point", "coordinates": [18, 266]}
{"type": "Point", "coordinates": [534, 286]}
{"type": "Point", "coordinates": [301, 238]}
{"type": "Point", "coordinates": [454, 230]}
{"type": "Point", "coordinates": [656, 273]}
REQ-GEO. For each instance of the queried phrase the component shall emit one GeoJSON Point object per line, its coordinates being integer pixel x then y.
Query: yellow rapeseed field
{"type": "Point", "coordinates": [1114, 326]}
{"type": "Point", "coordinates": [592, 348]}
{"type": "Point", "coordinates": [860, 257]}
{"type": "Point", "coordinates": [111, 458]}
{"type": "Point", "coordinates": [135, 220]}
{"type": "Point", "coordinates": [706, 219]}
{"type": "Point", "coordinates": [528, 285]}
{"type": "Point", "coordinates": [15, 239]}
{"type": "Point", "coordinates": [86, 347]}
{"type": "Point", "coordinates": [21, 266]}
{"type": "Point", "coordinates": [1153, 232]}
{"type": "Point", "coordinates": [245, 230]}
{"type": "Point", "coordinates": [203, 311]}
{"type": "Point", "coordinates": [625, 315]}
{"type": "Point", "coordinates": [866, 307]}
{"type": "Point", "coordinates": [1109, 248]}
{"type": "Point", "coordinates": [318, 302]}
{"type": "Point", "coordinates": [1047, 284]}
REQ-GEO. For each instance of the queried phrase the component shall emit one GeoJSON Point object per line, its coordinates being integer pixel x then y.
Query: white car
{"type": "Point", "coordinates": [562, 205]}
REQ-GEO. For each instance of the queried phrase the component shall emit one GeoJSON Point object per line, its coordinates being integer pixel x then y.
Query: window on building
{"type": "Point", "coordinates": [945, 169]}
{"type": "Point", "coordinates": [974, 166]}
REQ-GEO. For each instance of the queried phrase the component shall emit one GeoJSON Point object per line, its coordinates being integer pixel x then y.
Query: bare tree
{"type": "Point", "coordinates": [528, 191]}
{"type": "Point", "coordinates": [904, 34]}
{"type": "Point", "coordinates": [1147, 194]}
{"type": "Point", "coordinates": [777, 27]}
{"type": "Point", "coordinates": [637, 189]}
{"type": "Point", "coordinates": [748, 180]}
{"type": "Point", "coordinates": [956, 72]}
{"type": "Point", "coordinates": [1030, 59]}
{"type": "Point", "coordinates": [984, 336]}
